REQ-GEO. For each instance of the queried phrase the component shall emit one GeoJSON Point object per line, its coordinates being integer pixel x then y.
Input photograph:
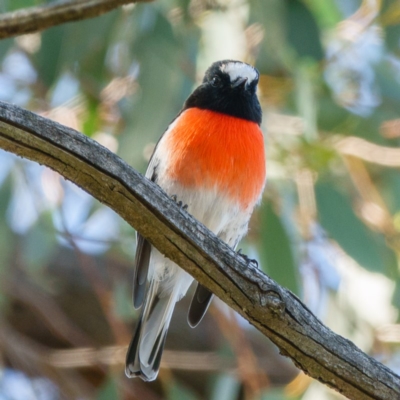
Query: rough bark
{"type": "Point", "coordinates": [274, 310]}
{"type": "Point", "coordinates": [35, 19]}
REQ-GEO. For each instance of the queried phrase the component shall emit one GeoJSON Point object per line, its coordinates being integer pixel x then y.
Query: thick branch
{"type": "Point", "coordinates": [35, 19]}
{"type": "Point", "coordinates": [275, 311]}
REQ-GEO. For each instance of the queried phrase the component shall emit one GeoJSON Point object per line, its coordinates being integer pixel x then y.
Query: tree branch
{"type": "Point", "coordinates": [275, 311]}
{"type": "Point", "coordinates": [42, 17]}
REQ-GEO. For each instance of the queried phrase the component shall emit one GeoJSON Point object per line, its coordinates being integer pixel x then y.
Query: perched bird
{"type": "Point", "coordinates": [212, 159]}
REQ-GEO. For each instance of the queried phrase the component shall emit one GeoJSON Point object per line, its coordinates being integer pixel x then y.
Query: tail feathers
{"type": "Point", "coordinates": [199, 305]}
{"type": "Point", "coordinates": [144, 353]}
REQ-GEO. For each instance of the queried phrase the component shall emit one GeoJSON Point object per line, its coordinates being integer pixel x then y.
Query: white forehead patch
{"type": "Point", "coordinates": [239, 70]}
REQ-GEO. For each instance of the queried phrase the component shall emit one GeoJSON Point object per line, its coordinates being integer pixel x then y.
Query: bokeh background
{"type": "Point", "coordinates": [328, 227]}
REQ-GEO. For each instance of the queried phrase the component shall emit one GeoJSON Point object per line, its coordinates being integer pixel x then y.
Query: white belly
{"type": "Point", "coordinates": [217, 213]}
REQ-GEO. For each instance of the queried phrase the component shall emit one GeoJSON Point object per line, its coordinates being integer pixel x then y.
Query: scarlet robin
{"type": "Point", "coordinates": [212, 159]}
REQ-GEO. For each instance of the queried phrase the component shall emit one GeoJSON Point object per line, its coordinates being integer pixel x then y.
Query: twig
{"type": "Point", "coordinates": [35, 19]}
{"type": "Point", "coordinates": [370, 152]}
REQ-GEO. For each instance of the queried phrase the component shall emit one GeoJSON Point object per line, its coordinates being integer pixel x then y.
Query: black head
{"type": "Point", "coordinates": [228, 87]}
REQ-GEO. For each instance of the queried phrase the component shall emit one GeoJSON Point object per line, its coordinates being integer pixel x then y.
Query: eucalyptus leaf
{"type": "Point", "coordinates": [48, 59]}
{"type": "Point", "coordinates": [277, 258]}
{"type": "Point", "coordinates": [180, 392]}
{"type": "Point", "coordinates": [303, 31]}
{"type": "Point", "coordinates": [337, 216]}
{"type": "Point", "coordinates": [109, 390]}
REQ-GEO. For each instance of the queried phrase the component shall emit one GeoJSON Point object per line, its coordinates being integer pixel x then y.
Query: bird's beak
{"type": "Point", "coordinates": [239, 82]}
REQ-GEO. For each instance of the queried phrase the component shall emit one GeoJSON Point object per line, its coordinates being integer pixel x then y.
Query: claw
{"type": "Point", "coordinates": [174, 197]}
{"type": "Point", "coordinates": [255, 262]}
{"type": "Point", "coordinates": [247, 259]}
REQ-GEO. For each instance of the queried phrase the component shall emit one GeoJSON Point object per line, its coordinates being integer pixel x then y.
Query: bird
{"type": "Point", "coordinates": [212, 159]}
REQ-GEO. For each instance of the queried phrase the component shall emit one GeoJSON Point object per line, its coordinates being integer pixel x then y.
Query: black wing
{"type": "Point", "coordinates": [143, 251]}
{"type": "Point", "coordinates": [199, 305]}
{"type": "Point", "coordinates": [141, 269]}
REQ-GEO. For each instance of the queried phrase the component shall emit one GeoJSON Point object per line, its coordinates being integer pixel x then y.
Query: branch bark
{"type": "Point", "coordinates": [274, 310]}
{"type": "Point", "coordinates": [35, 19]}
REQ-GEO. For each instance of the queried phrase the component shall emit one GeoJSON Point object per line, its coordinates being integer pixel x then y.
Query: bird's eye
{"type": "Point", "coordinates": [215, 81]}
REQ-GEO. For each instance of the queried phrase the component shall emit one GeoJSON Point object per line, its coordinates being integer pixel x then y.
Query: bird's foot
{"type": "Point", "coordinates": [174, 197]}
{"type": "Point", "coordinates": [248, 259]}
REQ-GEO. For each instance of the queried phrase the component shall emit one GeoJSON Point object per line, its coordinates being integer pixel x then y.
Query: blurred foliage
{"type": "Point", "coordinates": [328, 227]}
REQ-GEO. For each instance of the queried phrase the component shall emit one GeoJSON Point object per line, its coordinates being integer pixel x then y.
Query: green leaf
{"type": "Point", "coordinates": [387, 79]}
{"type": "Point", "coordinates": [396, 297]}
{"type": "Point", "coordinates": [389, 188]}
{"type": "Point", "coordinates": [91, 124]}
{"type": "Point", "coordinates": [163, 87]}
{"type": "Point", "coordinates": [392, 34]}
{"type": "Point", "coordinates": [79, 47]}
{"type": "Point", "coordinates": [276, 251]}
{"type": "Point", "coordinates": [5, 46]}
{"type": "Point", "coordinates": [332, 117]}
{"type": "Point", "coordinates": [302, 30]}
{"type": "Point", "coordinates": [109, 390]}
{"type": "Point", "coordinates": [180, 392]}
{"type": "Point", "coordinates": [7, 237]}
{"type": "Point", "coordinates": [326, 12]}
{"type": "Point", "coordinates": [13, 5]}
{"type": "Point", "coordinates": [48, 58]}
{"type": "Point", "coordinates": [316, 155]}
{"type": "Point", "coordinates": [39, 244]}
{"type": "Point", "coordinates": [337, 216]}
{"type": "Point", "coordinates": [271, 14]}
{"type": "Point", "coordinates": [88, 59]}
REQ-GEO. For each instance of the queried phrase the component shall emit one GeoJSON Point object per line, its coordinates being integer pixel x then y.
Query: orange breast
{"type": "Point", "coordinates": [210, 150]}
